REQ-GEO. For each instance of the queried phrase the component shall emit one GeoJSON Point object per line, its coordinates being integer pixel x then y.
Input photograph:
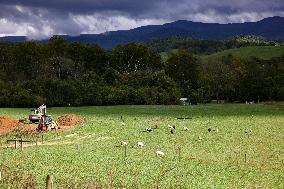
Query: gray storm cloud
{"type": "Point", "coordinates": [41, 18]}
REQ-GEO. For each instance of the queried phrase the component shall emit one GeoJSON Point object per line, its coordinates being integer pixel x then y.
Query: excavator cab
{"type": "Point", "coordinates": [34, 117]}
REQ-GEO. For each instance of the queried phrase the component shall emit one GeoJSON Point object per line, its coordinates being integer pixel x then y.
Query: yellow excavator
{"type": "Point", "coordinates": [44, 121]}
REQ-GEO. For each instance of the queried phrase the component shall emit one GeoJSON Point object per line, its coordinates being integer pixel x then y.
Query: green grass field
{"type": "Point", "coordinates": [247, 152]}
{"type": "Point", "coordinates": [262, 52]}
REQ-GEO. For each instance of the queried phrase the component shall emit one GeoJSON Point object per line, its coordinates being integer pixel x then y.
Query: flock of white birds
{"type": "Point", "coordinates": [141, 145]}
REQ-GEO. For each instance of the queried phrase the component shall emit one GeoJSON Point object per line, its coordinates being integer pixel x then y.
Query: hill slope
{"type": "Point", "coordinates": [262, 52]}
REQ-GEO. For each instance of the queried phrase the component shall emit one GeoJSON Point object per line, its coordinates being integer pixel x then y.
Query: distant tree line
{"type": "Point", "coordinates": [203, 46]}
{"type": "Point", "coordinates": [61, 74]}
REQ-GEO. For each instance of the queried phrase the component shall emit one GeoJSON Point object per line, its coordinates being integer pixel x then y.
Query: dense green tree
{"type": "Point", "coordinates": [252, 81]}
{"type": "Point", "coordinates": [112, 77]}
{"type": "Point", "coordinates": [95, 59]}
{"type": "Point", "coordinates": [57, 49]}
{"type": "Point", "coordinates": [235, 75]}
{"type": "Point", "coordinates": [7, 62]}
{"type": "Point", "coordinates": [135, 57]}
{"type": "Point", "coordinates": [30, 59]}
{"type": "Point", "coordinates": [183, 68]}
{"type": "Point", "coordinates": [91, 91]}
{"type": "Point", "coordinates": [214, 79]}
{"type": "Point", "coordinates": [76, 52]}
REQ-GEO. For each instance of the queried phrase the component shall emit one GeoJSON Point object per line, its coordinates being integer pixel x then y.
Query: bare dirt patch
{"type": "Point", "coordinates": [8, 124]}
{"type": "Point", "coordinates": [65, 122]}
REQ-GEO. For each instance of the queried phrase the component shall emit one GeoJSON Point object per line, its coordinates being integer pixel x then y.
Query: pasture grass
{"type": "Point", "coordinates": [261, 52]}
{"type": "Point", "coordinates": [247, 152]}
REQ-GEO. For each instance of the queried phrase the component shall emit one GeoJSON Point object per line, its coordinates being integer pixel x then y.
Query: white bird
{"type": "Point", "coordinates": [160, 154]}
{"type": "Point", "coordinates": [123, 124]}
{"type": "Point", "coordinates": [213, 130]}
{"type": "Point", "coordinates": [185, 129]}
{"type": "Point", "coordinates": [140, 144]}
{"type": "Point", "coordinates": [124, 143]}
{"type": "Point", "coordinates": [148, 130]}
{"type": "Point", "coordinates": [171, 127]}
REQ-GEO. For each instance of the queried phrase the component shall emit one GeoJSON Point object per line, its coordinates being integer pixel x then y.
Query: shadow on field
{"type": "Point", "coordinates": [202, 110]}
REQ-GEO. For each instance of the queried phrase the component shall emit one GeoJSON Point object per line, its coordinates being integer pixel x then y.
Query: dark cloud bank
{"type": "Point", "coordinates": [41, 18]}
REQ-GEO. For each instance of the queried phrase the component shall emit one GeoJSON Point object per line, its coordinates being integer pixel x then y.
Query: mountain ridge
{"type": "Point", "coordinates": [271, 28]}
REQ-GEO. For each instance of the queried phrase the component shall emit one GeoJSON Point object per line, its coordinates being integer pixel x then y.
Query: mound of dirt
{"type": "Point", "coordinates": [65, 122]}
{"type": "Point", "coordinates": [7, 124]}
{"type": "Point", "coordinates": [69, 120]}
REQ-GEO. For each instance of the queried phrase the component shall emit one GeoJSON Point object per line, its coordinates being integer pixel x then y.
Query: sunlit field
{"type": "Point", "coordinates": [245, 148]}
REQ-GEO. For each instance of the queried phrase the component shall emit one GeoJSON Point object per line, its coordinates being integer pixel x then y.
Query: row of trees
{"type": "Point", "coordinates": [235, 79]}
{"type": "Point", "coordinates": [203, 46]}
{"type": "Point", "coordinates": [60, 74]}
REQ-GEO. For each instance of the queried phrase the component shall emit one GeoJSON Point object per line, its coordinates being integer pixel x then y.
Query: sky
{"type": "Point", "coordinates": [40, 19]}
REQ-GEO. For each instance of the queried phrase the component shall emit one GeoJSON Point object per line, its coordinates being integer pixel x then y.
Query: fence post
{"type": "Point", "coordinates": [21, 141]}
{"type": "Point", "coordinates": [179, 153]}
{"type": "Point", "coordinates": [49, 181]}
{"type": "Point", "coordinates": [125, 152]}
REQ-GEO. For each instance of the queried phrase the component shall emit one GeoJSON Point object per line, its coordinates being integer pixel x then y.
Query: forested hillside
{"type": "Point", "coordinates": [60, 74]}
{"type": "Point", "coordinates": [270, 28]}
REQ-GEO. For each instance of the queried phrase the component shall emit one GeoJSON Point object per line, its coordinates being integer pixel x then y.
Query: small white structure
{"type": "Point", "coordinates": [184, 101]}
